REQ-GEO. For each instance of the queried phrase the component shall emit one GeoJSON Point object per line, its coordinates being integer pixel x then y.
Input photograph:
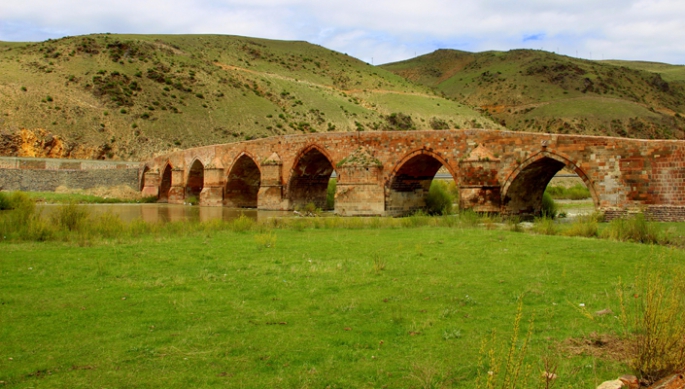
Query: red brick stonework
{"type": "Point", "coordinates": [389, 173]}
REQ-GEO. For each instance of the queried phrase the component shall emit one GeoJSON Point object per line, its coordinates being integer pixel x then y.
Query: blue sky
{"type": "Point", "coordinates": [379, 31]}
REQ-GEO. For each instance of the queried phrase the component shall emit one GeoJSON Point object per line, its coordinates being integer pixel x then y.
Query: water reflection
{"type": "Point", "coordinates": [165, 213]}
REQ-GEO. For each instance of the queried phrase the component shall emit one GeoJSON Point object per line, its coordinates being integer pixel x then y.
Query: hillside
{"type": "Point", "coordinates": [530, 90]}
{"type": "Point", "coordinates": [133, 96]}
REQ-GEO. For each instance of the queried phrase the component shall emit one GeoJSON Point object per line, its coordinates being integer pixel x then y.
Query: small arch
{"type": "Point", "coordinates": [165, 183]}
{"type": "Point", "coordinates": [196, 180]}
{"type": "Point", "coordinates": [523, 189]}
{"type": "Point", "coordinates": [310, 177]}
{"type": "Point", "coordinates": [409, 183]}
{"type": "Point", "coordinates": [242, 183]}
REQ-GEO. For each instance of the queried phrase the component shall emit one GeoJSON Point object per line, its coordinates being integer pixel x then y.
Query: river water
{"type": "Point", "coordinates": [164, 213]}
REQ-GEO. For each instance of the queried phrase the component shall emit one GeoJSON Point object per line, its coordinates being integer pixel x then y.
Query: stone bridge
{"type": "Point", "coordinates": [389, 173]}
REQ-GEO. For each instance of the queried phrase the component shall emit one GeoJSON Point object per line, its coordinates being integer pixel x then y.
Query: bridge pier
{"type": "Point", "coordinates": [479, 189]}
{"type": "Point", "coordinates": [359, 191]}
{"type": "Point", "coordinates": [270, 195]}
{"type": "Point", "coordinates": [177, 193]}
{"type": "Point", "coordinates": [212, 193]}
{"type": "Point", "coordinates": [151, 183]}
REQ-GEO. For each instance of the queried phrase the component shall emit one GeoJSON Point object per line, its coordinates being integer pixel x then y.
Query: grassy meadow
{"type": "Point", "coordinates": [417, 302]}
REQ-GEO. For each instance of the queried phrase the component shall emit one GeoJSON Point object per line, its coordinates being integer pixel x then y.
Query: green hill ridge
{"type": "Point", "coordinates": [535, 90]}
{"type": "Point", "coordinates": [130, 97]}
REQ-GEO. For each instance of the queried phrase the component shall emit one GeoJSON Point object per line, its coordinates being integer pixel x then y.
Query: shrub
{"type": "Point", "coordinates": [634, 229]}
{"type": "Point", "coordinates": [4, 202]}
{"type": "Point", "coordinates": [439, 124]}
{"type": "Point", "coordinates": [70, 216]}
{"type": "Point", "coordinates": [469, 218]}
{"type": "Point", "coordinates": [505, 368]}
{"type": "Point", "coordinates": [330, 193]}
{"type": "Point", "coordinates": [549, 207]}
{"type": "Point", "coordinates": [309, 209]}
{"type": "Point", "coordinates": [658, 327]}
{"type": "Point", "coordinates": [399, 122]}
{"type": "Point", "coordinates": [545, 226]}
{"type": "Point", "coordinates": [242, 224]}
{"type": "Point", "coordinates": [266, 240]}
{"type": "Point", "coordinates": [439, 200]}
{"type": "Point", "coordinates": [586, 226]}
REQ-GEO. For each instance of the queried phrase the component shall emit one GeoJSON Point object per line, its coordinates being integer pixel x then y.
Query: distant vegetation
{"type": "Point", "coordinates": [130, 96]}
{"type": "Point", "coordinates": [531, 90]}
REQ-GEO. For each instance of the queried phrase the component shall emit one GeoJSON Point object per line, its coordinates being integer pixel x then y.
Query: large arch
{"type": "Point", "coordinates": [196, 180]}
{"type": "Point", "coordinates": [309, 178]}
{"type": "Point", "coordinates": [408, 184]}
{"type": "Point", "coordinates": [242, 183]}
{"type": "Point", "coordinates": [165, 183]}
{"type": "Point", "coordinates": [523, 189]}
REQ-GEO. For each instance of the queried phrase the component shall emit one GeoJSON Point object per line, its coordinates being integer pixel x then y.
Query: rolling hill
{"type": "Point", "coordinates": [531, 90]}
{"type": "Point", "coordinates": [130, 97]}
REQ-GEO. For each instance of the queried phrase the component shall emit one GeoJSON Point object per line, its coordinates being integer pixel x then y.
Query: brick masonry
{"type": "Point", "coordinates": [388, 173]}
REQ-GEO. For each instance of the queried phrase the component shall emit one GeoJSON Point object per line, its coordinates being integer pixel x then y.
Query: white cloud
{"type": "Point", "coordinates": [383, 30]}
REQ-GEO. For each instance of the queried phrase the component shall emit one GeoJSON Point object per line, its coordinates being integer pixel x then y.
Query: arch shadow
{"type": "Point", "coordinates": [523, 189]}
{"type": "Point", "coordinates": [408, 184]}
{"type": "Point", "coordinates": [242, 182]}
{"type": "Point", "coordinates": [195, 180]}
{"type": "Point", "coordinates": [309, 178]}
{"type": "Point", "coordinates": [165, 183]}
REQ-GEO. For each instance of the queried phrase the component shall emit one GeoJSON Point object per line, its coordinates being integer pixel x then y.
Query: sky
{"type": "Point", "coordinates": [379, 31]}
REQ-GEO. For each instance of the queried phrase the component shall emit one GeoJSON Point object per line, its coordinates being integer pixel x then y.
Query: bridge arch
{"type": "Point", "coordinates": [242, 182]}
{"type": "Point", "coordinates": [196, 180]}
{"type": "Point", "coordinates": [409, 182]}
{"type": "Point", "coordinates": [523, 189]}
{"type": "Point", "coordinates": [165, 182]}
{"type": "Point", "coordinates": [309, 177]}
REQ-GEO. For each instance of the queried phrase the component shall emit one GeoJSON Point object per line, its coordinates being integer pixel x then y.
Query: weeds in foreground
{"type": "Point", "coordinates": [633, 229]}
{"type": "Point", "coordinates": [495, 370]}
{"type": "Point", "coordinates": [266, 240]}
{"type": "Point", "coordinates": [586, 226]}
{"type": "Point", "coordinates": [70, 216]}
{"type": "Point", "coordinates": [242, 224]}
{"type": "Point", "coordinates": [545, 226]}
{"type": "Point", "coordinates": [378, 263]}
{"type": "Point", "coordinates": [658, 328]}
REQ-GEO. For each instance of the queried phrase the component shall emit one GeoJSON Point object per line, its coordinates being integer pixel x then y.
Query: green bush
{"type": "Point", "coordinates": [242, 224]}
{"type": "Point", "coordinates": [4, 202]}
{"type": "Point", "coordinates": [549, 207]}
{"type": "Point", "coordinates": [439, 200]}
{"type": "Point", "coordinates": [586, 226]}
{"type": "Point", "coordinates": [634, 229]}
{"type": "Point", "coordinates": [658, 328]}
{"type": "Point", "coordinates": [330, 193]}
{"type": "Point", "coordinates": [545, 226]}
{"type": "Point", "coordinates": [70, 216]}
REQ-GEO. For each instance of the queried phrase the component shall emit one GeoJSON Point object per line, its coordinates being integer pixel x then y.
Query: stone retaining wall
{"type": "Point", "coordinates": [43, 174]}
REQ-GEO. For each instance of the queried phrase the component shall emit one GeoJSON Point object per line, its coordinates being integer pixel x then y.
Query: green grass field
{"type": "Point", "coordinates": [309, 305]}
